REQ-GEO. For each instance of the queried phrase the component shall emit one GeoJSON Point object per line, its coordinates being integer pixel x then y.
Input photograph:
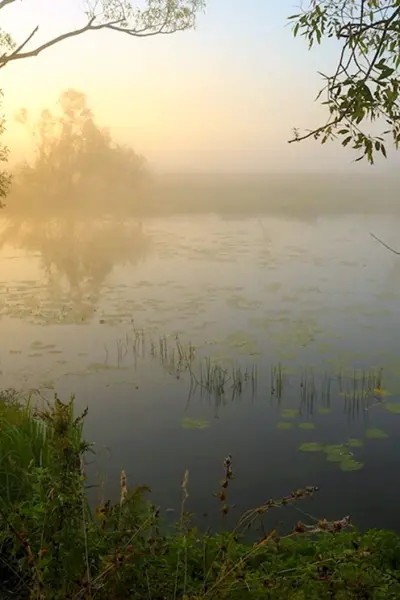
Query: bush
{"type": "Point", "coordinates": [54, 547]}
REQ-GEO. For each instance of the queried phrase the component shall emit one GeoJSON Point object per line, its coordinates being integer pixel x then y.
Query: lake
{"type": "Point", "coordinates": [285, 329]}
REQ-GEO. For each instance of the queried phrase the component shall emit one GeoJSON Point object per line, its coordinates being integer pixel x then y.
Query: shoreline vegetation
{"type": "Point", "coordinates": [54, 546]}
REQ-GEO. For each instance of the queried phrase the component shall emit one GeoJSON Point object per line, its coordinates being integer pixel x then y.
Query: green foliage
{"type": "Point", "coordinates": [53, 547]}
{"type": "Point", "coordinates": [23, 444]}
{"type": "Point", "coordinates": [365, 85]}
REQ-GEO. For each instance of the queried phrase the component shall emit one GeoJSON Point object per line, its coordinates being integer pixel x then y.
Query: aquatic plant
{"type": "Point", "coordinates": [284, 425]}
{"type": "Point", "coordinates": [374, 433]}
{"type": "Point", "coordinates": [307, 426]}
{"type": "Point", "coordinates": [277, 381]}
{"type": "Point", "coordinates": [311, 447]}
{"type": "Point", "coordinates": [194, 424]}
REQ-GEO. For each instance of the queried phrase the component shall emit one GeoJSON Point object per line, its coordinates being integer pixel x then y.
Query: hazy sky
{"type": "Point", "coordinates": [223, 97]}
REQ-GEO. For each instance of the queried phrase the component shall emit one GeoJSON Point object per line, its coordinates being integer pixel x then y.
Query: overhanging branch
{"type": "Point", "coordinates": [171, 23]}
{"type": "Point", "coordinates": [4, 3]}
{"type": "Point", "coordinates": [385, 245]}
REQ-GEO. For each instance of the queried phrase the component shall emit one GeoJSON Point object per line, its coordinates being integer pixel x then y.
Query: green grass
{"type": "Point", "coordinates": [54, 547]}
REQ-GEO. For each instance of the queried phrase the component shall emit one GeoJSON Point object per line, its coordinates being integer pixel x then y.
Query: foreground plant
{"type": "Point", "coordinates": [53, 547]}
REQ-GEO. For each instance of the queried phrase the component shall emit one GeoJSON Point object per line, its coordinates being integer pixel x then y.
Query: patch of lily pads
{"type": "Point", "coordinates": [336, 453]}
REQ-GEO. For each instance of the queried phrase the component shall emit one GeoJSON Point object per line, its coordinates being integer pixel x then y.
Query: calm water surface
{"type": "Point", "coordinates": [320, 295]}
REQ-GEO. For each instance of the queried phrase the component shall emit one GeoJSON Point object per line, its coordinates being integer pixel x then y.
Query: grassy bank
{"type": "Point", "coordinates": [53, 546]}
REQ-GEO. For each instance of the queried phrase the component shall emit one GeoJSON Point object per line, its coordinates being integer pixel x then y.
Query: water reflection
{"type": "Point", "coordinates": [75, 258]}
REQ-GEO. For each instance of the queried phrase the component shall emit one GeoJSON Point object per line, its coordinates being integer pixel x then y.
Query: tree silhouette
{"type": "Point", "coordinates": [77, 168]}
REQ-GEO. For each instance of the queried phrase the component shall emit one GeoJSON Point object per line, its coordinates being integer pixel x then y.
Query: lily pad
{"type": "Point", "coordinates": [350, 464]}
{"type": "Point", "coordinates": [376, 434]}
{"type": "Point", "coordinates": [289, 413]}
{"type": "Point", "coordinates": [194, 424]}
{"type": "Point", "coordinates": [393, 407]}
{"type": "Point", "coordinates": [354, 443]}
{"type": "Point", "coordinates": [284, 425]}
{"type": "Point", "coordinates": [306, 425]}
{"type": "Point", "coordinates": [334, 448]}
{"type": "Point", "coordinates": [311, 447]}
{"type": "Point", "coordinates": [336, 457]}
{"type": "Point", "coordinates": [324, 410]}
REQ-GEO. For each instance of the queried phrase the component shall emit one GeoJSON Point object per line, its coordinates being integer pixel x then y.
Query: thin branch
{"type": "Point", "coordinates": [90, 26]}
{"type": "Point", "coordinates": [21, 46]}
{"type": "Point", "coordinates": [4, 3]}
{"type": "Point", "coordinates": [385, 245]}
{"type": "Point", "coordinates": [314, 132]}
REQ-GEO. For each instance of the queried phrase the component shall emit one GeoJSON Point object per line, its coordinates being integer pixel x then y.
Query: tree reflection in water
{"type": "Point", "coordinates": [77, 257]}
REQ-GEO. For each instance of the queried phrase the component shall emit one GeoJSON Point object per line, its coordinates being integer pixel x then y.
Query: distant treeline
{"type": "Point", "coordinates": [78, 169]}
{"type": "Point", "coordinates": [299, 195]}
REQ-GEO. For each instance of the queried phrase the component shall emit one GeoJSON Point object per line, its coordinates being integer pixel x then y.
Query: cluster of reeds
{"type": "Point", "coordinates": [218, 380]}
{"type": "Point", "coordinates": [358, 388]}
{"type": "Point", "coordinates": [277, 381]}
{"type": "Point", "coordinates": [308, 391]}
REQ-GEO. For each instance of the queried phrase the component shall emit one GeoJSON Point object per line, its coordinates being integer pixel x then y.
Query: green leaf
{"type": "Point", "coordinates": [350, 464]}
{"type": "Point", "coordinates": [376, 434]}
{"type": "Point", "coordinates": [393, 407]}
{"type": "Point", "coordinates": [311, 447]}
{"type": "Point", "coordinates": [306, 425]}
{"type": "Point", "coordinates": [354, 443]}
{"type": "Point", "coordinates": [284, 425]}
{"type": "Point", "coordinates": [290, 413]}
